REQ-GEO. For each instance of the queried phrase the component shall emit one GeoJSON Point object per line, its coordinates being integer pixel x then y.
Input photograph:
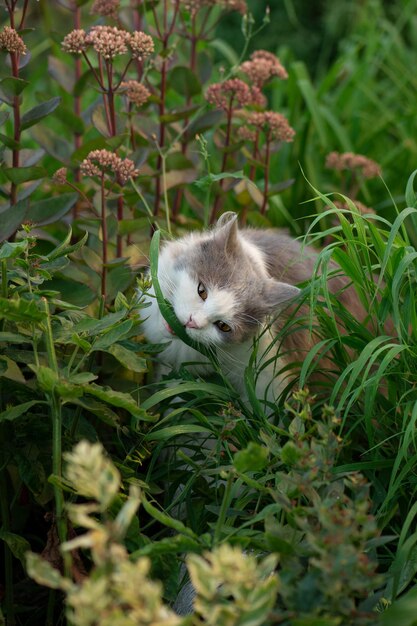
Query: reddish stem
{"type": "Point", "coordinates": [14, 58]}
{"type": "Point", "coordinates": [161, 140]}
{"type": "Point", "coordinates": [164, 35]}
{"type": "Point", "coordinates": [218, 200]}
{"type": "Point", "coordinates": [77, 105]}
{"type": "Point", "coordinates": [22, 21]}
{"type": "Point", "coordinates": [267, 165]}
{"type": "Point", "coordinates": [193, 62]}
{"type": "Point", "coordinates": [137, 25]}
{"type": "Point", "coordinates": [252, 175]}
{"type": "Point", "coordinates": [109, 100]}
{"type": "Point", "coordinates": [104, 239]}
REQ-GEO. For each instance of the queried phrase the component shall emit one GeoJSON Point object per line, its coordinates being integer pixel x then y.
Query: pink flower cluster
{"type": "Point", "coordinates": [232, 91]}
{"type": "Point", "coordinates": [351, 161]}
{"type": "Point", "coordinates": [106, 8]}
{"type": "Point", "coordinates": [228, 5]}
{"type": "Point", "coordinates": [99, 162]}
{"type": "Point", "coordinates": [274, 125]}
{"type": "Point", "coordinates": [109, 41]}
{"type": "Point", "coordinates": [11, 41]}
{"type": "Point", "coordinates": [136, 92]}
{"type": "Point", "coordinates": [262, 67]}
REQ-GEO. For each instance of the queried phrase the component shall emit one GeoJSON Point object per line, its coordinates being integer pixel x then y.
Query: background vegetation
{"type": "Point", "coordinates": [92, 165]}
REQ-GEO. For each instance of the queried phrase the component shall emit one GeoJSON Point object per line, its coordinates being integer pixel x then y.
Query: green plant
{"type": "Point", "coordinates": [51, 354]}
{"type": "Point", "coordinates": [315, 523]}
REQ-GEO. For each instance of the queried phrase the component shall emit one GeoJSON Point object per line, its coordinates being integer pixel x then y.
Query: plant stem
{"type": "Point", "coordinates": [161, 139]}
{"type": "Point", "coordinates": [252, 175]}
{"type": "Point", "coordinates": [193, 62]}
{"type": "Point", "coordinates": [14, 58]}
{"type": "Point", "coordinates": [223, 510]}
{"type": "Point", "coordinates": [8, 557]}
{"type": "Point", "coordinates": [4, 289]}
{"type": "Point", "coordinates": [266, 177]}
{"type": "Point", "coordinates": [108, 97]}
{"type": "Point", "coordinates": [218, 200]}
{"type": "Point", "coordinates": [56, 415]}
{"type": "Point", "coordinates": [77, 105]}
{"type": "Point", "coordinates": [164, 34]}
{"type": "Point", "coordinates": [104, 237]}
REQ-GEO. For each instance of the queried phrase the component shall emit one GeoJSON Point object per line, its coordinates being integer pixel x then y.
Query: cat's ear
{"type": "Point", "coordinates": [227, 228]}
{"type": "Point", "coordinates": [277, 293]}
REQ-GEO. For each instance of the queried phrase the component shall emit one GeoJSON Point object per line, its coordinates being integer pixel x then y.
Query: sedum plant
{"type": "Point", "coordinates": [231, 588]}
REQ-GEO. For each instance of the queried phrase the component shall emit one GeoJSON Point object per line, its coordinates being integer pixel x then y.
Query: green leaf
{"type": "Point", "coordinates": [183, 80]}
{"type": "Point", "coordinates": [51, 210]}
{"type": "Point", "coordinates": [9, 142]}
{"type": "Point", "coordinates": [82, 83]}
{"type": "Point", "coordinates": [47, 378]}
{"type": "Point", "coordinates": [73, 122]}
{"type": "Point", "coordinates": [82, 378]}
{"type": "Point", "coordinates": [174, 431]}
{"type": "Point", "coordinates": [12, 217]}
{"type": "Point", "coordinates": [402, 612]}
{"type": "Point", "coordinates": [40, 570]}
{"type": "Point", "coordinates": [181, 114]}
{"type": "Point", "coordinates": [11, 86]}
{"type": "Point", "coordinates": [113, 335]}
{"type": "Point", "coordinates": [226, 50]}
{"type": "Point", "coordinates": [61, 72]}
{"type": "Point", "coordinates": [119, 399]}
{"type": "Point", "coordinates": [4, 116]}
{"type": "Point", "coordinates": [73, 292]}
{"type": "Point", "coordinates": [94, 326]}
{"type": "Point", "coordinates": [99, 120]}
{"type": "Point", "coordinates": [252, 459]}
{"type": "Point", "coordinates": [38, 112]}
{"type": "Point", "coordinates": [207, 181]}
{"type": "Point", "coordinates": [167, 520]}
{"type": "Point", "coordinates": [19, 175]}
{"type": "Point", "coordinates": [64, 249]}
{"type": "Point", "coordinates": [198, 388]}
{"type": "Point", "coordinates": [128, 358]}
{"type": "Point", "coordinates": [128, 226]}
{"type": "Point", "coordinates": [290, 454]}
{"type": "Point", "coordinates": [207, 120]}
{"type": "Point", "coordinates": [100, 410]}
{"type": "Point", "coordinates": [19, 310]}
{"type": "Point", "coordinates": [12, 250]}
{"type": "Point", "coordinates": [17, 411]}
{"type": "Point", "coordinates": [92, 259]}
{"type": "Point", "coordinates": [14, 338]}
{"type": "Point", "coordinates": [18, 545]}
{"type": "Point", "coordinates": [118, 279]}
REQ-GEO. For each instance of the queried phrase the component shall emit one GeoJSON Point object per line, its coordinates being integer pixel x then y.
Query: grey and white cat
{"type": "Point", "coordinates": [225, 285]}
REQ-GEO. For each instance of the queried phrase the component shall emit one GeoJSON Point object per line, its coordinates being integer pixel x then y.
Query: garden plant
{"type": "Point", "coordinates": [124, 122]}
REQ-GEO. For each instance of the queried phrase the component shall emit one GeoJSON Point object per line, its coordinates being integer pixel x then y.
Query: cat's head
{"type": "Point", "coordinates": [218, 284]}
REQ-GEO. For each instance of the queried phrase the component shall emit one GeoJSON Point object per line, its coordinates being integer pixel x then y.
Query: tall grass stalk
{"type": "Point", "coordinates": [55, 408]}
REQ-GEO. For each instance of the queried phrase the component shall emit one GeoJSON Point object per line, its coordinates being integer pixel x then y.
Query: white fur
{"type": "Point", "coordinates": [180, 289]}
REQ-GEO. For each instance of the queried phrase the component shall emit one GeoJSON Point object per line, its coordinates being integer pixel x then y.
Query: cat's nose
{"type": "Point", "coordinates": [191, 323]}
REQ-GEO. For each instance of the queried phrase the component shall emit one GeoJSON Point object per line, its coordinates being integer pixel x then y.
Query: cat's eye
{"type": "Point", "coordinates": [225, 328]}
{"type": "Point", "coordinates": [202, 291]}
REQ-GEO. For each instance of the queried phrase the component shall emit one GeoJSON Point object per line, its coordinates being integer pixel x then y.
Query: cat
{"type": "Point", "coordinates": [225, 286]}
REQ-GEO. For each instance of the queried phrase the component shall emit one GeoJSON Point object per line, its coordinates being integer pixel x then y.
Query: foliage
{"type": "Point", "coordinates": [319, 532]}
{"type": "Point", "coordinates": [122, 118]}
